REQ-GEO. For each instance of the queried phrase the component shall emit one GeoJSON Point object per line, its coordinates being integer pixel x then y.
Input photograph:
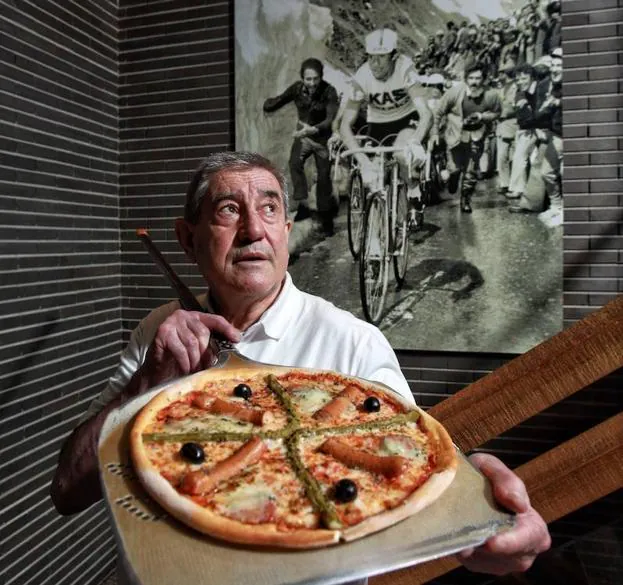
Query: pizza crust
{"type": "Point", "coordinates": [208, 522]}
{"type": "Point", "coordinates": [418, 500]}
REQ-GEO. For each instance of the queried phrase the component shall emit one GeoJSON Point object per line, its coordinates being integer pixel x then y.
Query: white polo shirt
{"type": "Point", "coordinates": [298, 329]}
{"type": "Point", "coordinates": [388, 100]}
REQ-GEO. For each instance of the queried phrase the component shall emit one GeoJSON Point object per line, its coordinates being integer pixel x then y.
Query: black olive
{"type": "Point", "coordinates": [372, 404]}
{"type": "Point", "coordinates": [345, 490]}
{"type": "Point", "coordinates": [193, 452]}
{"type": "Point", "coordinates": [243, 391]}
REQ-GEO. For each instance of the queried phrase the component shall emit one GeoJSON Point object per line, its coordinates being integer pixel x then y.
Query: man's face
{"type": "Point", "coordinates": [381, 66]}
{"type": "Point", "coordinates": [474, 80]}
{"type": "Point", "coordinates": [555, 69]}
{"type": "Point", "coordinates": [241, 240]}
{"type": "Point", "coordinates": [311, 79]}
{"type": "Point", "coordinates": [523, 81]}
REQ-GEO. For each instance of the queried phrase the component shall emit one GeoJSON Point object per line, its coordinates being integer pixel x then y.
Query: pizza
{"type": "Point", "coordinates": [288, 457]}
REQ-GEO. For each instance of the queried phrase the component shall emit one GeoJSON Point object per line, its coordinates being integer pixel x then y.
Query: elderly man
{"type": "Point", "coordinates": [235, 228]}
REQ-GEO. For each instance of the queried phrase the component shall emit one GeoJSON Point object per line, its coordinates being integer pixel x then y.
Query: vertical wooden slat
{"type": "Point", "coordinates": [553, 370]}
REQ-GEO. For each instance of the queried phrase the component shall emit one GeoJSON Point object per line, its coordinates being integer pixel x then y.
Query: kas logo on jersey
{"type": "Point", "coordinates": [389, 100]}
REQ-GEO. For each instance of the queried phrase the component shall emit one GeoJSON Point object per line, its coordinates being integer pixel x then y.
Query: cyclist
{"type": "Point", "coordinates": [391, 85]}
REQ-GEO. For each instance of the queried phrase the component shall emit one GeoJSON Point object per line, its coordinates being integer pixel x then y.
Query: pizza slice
{"type": "Point", "coordinates": [243, 491]}
{"type": "Point", "coordinates": [236, 405]}
{"type": "Point", "coordinates": [327, 399]}
{"type": "Point", "coordinates": [376, 474]}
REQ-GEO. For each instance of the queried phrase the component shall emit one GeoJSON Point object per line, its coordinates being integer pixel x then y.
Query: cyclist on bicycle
{"type": "Point", "coordinates": [391, 85]}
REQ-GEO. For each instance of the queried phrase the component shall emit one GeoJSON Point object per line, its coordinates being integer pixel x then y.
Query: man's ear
{"type": "Point", "coordinates": [185, 236]}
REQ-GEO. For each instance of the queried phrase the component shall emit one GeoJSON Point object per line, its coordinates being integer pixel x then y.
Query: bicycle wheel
{"type": "Point", "coordinates": [356, 210]}
{"type": "Point", "coordinates": [400, 241]}
{"type": "Point", "coordinates": [374, 259]}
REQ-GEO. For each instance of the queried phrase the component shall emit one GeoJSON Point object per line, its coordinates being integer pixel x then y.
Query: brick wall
{"type": "Point", "coordinates": [59, 260]}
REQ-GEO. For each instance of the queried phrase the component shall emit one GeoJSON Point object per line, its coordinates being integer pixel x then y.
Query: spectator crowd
{"type": "Point", "coordinates": [522, 60]}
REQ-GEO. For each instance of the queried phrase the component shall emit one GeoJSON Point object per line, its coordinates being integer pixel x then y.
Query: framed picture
{"type": "Point", "coordinates": [422, 144]}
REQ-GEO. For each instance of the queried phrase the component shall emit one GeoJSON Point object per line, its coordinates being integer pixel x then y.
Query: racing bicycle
{"type": "Point", "coordinates": [384, 235]}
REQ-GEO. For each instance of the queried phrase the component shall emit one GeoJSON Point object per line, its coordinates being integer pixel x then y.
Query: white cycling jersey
{"type": "Point", "coordinates": [389, 100]}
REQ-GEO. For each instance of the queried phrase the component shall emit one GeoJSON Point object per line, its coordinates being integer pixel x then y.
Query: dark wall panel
{"type": "Point", "coordinates": [60, 290]}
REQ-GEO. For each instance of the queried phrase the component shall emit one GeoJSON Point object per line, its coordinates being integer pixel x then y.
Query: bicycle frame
{"type": "Point", "coordinates": [380, 189]}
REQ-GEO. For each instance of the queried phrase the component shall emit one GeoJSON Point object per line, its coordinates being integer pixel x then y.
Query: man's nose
{"type": "Point", "coordinates": [251, 226]}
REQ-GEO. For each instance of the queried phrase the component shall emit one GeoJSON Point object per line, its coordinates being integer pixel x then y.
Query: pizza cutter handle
{"type": "Point", "coordinates": [187, 300]}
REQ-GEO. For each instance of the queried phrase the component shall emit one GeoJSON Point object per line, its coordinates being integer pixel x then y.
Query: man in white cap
{"type": "Point", "coordinates": [390, 84]}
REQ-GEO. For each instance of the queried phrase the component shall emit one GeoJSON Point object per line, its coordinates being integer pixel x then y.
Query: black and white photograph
{"type": "Point", "coordinates": [422, 143]}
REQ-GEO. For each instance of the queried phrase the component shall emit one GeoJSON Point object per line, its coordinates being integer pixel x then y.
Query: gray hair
{"type": "Point", "coordinates": [214, 163]}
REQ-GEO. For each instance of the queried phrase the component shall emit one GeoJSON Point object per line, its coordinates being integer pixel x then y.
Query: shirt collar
{"type": "Point", "coordinates": [277, 317]}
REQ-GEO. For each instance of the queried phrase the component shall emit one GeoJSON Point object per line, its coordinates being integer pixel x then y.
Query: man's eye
{"type": "Point", "coordinates": [229, 208]}
{"type": "Point", "coordinates": [270, 208]}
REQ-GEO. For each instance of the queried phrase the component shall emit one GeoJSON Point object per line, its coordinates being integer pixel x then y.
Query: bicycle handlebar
{"type": "Point", "coordinates": [371, 150]}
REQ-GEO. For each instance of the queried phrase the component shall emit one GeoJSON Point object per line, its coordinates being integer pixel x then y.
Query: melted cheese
{"type": "Point", "coordinates": [394, 446]}
{"type": "Point", "coordinates": [271, 484]}
{"type": "Point", "coordinates": [308, 400]}
{"type": "Point", "coordinates": [247, 497]}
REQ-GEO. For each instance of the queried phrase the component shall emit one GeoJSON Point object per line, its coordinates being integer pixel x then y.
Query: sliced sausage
{"type": "Point", "coordinates": [390, 466]}
{"type": "Point", "coordinates": [337, 407]}
{"type": "Point", "coordinates": [201, 482]}
{"type": "Point", "coordinates": [253, 415]}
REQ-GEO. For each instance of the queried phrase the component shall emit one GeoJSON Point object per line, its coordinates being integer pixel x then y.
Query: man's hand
{"type": "Point", "coordinates": [304, 130]}
{"type": "Point", "coordinates": [474, 118]}
{"type": "Point", "coordinates": [551, 101]}
{"type": "Point", "coordinates": [334, 139]}
{"type": "Point", "coordinates": [516, 549]}
{"type": "Point", "coordinates": [181, 345]}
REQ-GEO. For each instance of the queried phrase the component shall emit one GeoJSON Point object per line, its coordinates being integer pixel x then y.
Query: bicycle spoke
{"type": "Point", "coordinates": [355, 213]}
{"type": "Point", "coordinates": [400, 241]}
